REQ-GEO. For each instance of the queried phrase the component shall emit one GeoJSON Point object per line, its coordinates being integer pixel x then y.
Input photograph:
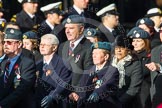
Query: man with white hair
{"type": "Point", "coordinates": [53, 74]}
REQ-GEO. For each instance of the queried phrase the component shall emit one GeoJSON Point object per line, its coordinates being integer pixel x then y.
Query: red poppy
{"type": "Point", "coordinates": [16, 66]}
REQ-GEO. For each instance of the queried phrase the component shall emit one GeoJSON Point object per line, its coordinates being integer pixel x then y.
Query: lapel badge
{"type": "Point", "coordinates": [48, 72]}
{"type": "Point", "coordinates": [98, 84]}
{"type": "Point", "coordinates": [77, 58]}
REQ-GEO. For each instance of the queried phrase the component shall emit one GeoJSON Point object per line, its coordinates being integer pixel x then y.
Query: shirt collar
{"type": "Point", "coordinates": [78, 10]}
{"type": "Point", "coordinates": [50, 25]}
{"type": "Point", "coordinates": [31, 15]}
{"type": "Point", "coordinates": [77, 42]}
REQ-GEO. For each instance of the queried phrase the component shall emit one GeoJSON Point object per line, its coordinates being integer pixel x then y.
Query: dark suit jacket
{"type": "Point", "coordinates": [80, 60]}
{"type": "Point", "coordinates": [106, 34]}
{"type": "Point", "coordinates": [21, 96]}
{"type": "Point", "coordinates": [156, 77]}
{"type": "Point", "coordinates": [26, 23]}
{"type": "Point", "coordinates": [51, 84]}
{"type": "Point", "coordinates": [43, 29]}
{"type": "Point", "coordinates": [106, 91]}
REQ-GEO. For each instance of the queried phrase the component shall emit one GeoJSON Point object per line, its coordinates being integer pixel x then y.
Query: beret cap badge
{"type": "Point", "coordinates": [95, 45]}
{"type": "Point", "coordinates": [142, 21]}
{"type": "Point", "coordinates": [68, 20]}
{"type": "Point", "coordinates": [25, 37]}
{"type": "Point", "coordinates": [11, 31]}
{"type": "Point", "coordinates": [89, 33]}
{"type": "Point", "coordinates": [137, 35]}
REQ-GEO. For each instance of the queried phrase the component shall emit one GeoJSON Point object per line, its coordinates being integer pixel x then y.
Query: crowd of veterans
{"type": "Point", "coordinates": [79, 59]}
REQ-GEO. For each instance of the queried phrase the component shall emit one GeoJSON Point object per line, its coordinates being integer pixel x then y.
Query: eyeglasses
{"type": "Point", "coordinates": [10, 42]}
{"type": "Point", "coordinates": [45, 44]}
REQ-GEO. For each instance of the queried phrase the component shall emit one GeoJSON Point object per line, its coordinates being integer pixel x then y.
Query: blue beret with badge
{"type": "Point", "coordinates": [30, 35]}
{"type": "Point", "coordinates": [133, 30]}
{"type": "Point", "coordinates": [147, 21]}
{"type": "Point", "coordinates": [52, 8]}
{"type": "Point", "coordinates": [153, 12]}
{"type": "Point", "coordinates": [137, 32]}
{"type": "Point", "coordinates": [28, 1]}
{"type": "Point", "coordinates": [11, 33]}
{"type": "Point", "coordinates": [110, 9]}
{"type": "Point", "coordinates": [74, 19]}
{"type": "Point", "coordinates": [101, 45]}
{"type": "Point", "coordinates": [92, 32]}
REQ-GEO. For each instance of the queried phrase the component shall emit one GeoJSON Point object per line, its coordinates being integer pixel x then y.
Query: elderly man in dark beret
{"type": "Point", "coordinates": [76, 50]}
{"type": "Point", "coordinates": [17, 75]}
{"type": "Point", "coordinates": [100, 82]}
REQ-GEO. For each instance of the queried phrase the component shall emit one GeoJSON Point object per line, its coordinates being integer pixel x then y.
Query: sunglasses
{"type": "Point", "coordinates": [10, 42]}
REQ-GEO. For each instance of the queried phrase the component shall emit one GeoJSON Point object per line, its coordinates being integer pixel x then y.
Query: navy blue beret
{"type": "Point", "coordinates": [11, 33]}
{"type": "Point", "coordinates": [74, 19]}
{"type": "Point", "coordinates": [137, 32]}
{"type": "Point", "coordinates": [146, 21]}
{"type": "Point", "coordinates": [30, 35]}
{"type": "Point", "coordinates": [101, 45]}
{"type": "Point", "coordinates": [91, 32]}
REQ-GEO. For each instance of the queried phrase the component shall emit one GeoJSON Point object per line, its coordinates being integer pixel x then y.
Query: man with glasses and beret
{"type": "Point", "coordinates": [27, 18]}
{"type": "Point", "coordinates": [17, 76]}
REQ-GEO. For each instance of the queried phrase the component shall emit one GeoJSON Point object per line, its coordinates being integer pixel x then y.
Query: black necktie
{"type": "Point", "coordinates": [82, 14]}
{"type": "Point", "coordinates": [114, 33]}
{"type": "Point", "coordinates": [45, 67]}
{"type": "Point", "coordinates": [6, 75]}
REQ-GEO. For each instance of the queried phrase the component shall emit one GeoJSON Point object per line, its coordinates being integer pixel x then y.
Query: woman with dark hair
{"type": "Point", "coordinates": [141, 43]}
{"type": "Point", "coordinates": [129, 67]}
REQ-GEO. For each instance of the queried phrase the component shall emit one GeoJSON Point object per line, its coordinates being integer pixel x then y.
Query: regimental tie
{"type": "Point", "coordinates": [82, 14]}
{"type": "Point", "coordinates": [71, 48]}
{"type": "Point", "coordinates": [45, 67]}
{"type": "Point", "coordinates": [6, 75]}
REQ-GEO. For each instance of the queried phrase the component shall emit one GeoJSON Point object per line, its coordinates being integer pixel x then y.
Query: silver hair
{"type": "Point", "coordinates": [52, 39]}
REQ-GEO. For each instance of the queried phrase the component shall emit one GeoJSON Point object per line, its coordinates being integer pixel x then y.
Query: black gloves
{"type": "Point", "coordinates": [94, 97]}
{"type": "Point", "coordinates": [47, 101]}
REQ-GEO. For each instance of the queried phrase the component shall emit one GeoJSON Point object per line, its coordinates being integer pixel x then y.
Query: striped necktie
{"type": "Point", "coordinates": [71, 48]}
{"type": "Point", "coordinates": [6, 75]}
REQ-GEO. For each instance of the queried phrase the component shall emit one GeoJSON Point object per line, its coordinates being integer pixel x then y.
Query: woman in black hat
{"type": "Point", "coordinates": [130, 77]}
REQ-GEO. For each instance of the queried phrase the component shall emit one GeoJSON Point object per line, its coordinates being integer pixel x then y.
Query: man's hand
{"type": "Point", "coordinates": [153, 66]}
{"type": "Point", "coordinates": [74, 96]}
